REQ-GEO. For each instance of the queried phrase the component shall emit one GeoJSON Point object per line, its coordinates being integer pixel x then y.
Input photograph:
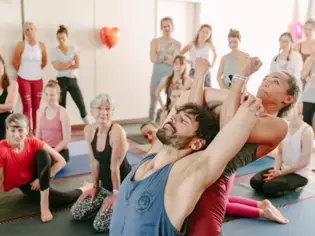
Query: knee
{"type": "Point", "coordinates": [102, 221]}
{"type": "Point", "coordinates": [43, 156]}
{"type": "Point", "coordinates": [256, 182]}
{"type": "Point", "coordinates": [26, 101]}
{"type": "Point", "coordinates": [77, 212]}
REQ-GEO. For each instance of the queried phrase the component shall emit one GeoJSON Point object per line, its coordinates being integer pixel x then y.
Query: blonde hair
{"type": "Point", "coordinates": [27, 24]}
{"type": "Point", "coordinates": [167, 19]}
{"type": "Point", "coordinates": [197, 36]}
{"type": "Point", "coordinates": [234, 33]}
{"type": "Point", "coordinates": [102, 97]}
{"type": "Point", "coordinates": [53, 84]}
{"type": "Point", "coordinates": [17, 120]}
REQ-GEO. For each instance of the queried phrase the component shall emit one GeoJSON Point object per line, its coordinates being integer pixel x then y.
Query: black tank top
{"type": "Point", "coordinates": [104, 159]}
{"type": "Point", "coordinates": [3, 116]}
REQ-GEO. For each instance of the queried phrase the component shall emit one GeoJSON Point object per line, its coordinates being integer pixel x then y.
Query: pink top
{"type": "Point", "coordinates": [51, 130]}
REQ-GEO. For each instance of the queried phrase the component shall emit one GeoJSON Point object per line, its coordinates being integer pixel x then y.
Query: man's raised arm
{"type": "Point", "coordinates": [209, 165]}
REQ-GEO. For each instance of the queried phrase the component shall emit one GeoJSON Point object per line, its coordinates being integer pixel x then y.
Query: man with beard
{"type": "Point", "coordinates": [279, 91]}
{"type": "Point", "coordinates": [159, 194]}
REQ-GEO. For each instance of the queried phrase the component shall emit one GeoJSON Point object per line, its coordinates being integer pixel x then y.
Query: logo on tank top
{"type": "Point", "coordinates": [144, 202]}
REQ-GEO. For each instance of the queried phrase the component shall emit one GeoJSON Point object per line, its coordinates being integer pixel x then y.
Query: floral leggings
{"type": "Point", "coordinates": [85, 210]}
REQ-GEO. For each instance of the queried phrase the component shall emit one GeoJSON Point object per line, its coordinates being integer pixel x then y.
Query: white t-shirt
{"type": "Point", "coordinates": [58, 55]}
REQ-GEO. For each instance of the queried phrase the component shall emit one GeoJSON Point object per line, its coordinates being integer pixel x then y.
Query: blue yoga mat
{"type": "Point", "coordinates": [300, 216]}
{"type": "Point", "coordinates": [256, 166]}
{"type": "Point", "coordinates": [78, 165]}
{"type": "Point", "coordinates": [77, 148]}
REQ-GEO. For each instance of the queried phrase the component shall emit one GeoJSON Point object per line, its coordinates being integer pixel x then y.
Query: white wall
{"type": "Point", "coordinates": [125, 71]}
{"type": "Point", "coordinates": [122, 71]}
{"type": "Point", "coordinates": [260, 28]}
{"type": "Point", "coordinates": [184, 16]}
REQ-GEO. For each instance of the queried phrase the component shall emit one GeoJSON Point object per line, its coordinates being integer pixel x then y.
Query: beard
{"type": "Point", "coordinates": [171, 138]}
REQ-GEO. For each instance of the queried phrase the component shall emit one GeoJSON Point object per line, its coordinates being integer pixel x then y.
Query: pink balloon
{"type": "Point", "coordinates": [297, 30]}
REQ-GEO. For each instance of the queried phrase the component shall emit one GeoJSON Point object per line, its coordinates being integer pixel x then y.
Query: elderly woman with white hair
{"type": "Point", "coordinates": [108, 147]}
{"type": "Point", "coordinates": [29, 59]}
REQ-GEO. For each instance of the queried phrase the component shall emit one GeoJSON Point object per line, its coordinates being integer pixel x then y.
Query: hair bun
{"type": "Point", "coordinates": [62, 27]}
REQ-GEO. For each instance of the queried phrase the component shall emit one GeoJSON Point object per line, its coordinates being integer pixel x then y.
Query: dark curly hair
{"type": "Point", "coordinates": [208, 126]}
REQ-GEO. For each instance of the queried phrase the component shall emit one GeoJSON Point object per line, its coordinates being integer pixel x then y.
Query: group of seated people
{"type": "Point", "coordinates": [29, 162]}
{"type": "Point", "coordinates": [193, 154]}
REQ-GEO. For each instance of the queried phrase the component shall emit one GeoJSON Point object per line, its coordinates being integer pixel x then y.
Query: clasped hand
{"type": "Point", "coordinates": [272, 174]}
{"type": "Point", "coordinates": [253, 103]}
{"type": "Point", "coordinates": [248, 65]}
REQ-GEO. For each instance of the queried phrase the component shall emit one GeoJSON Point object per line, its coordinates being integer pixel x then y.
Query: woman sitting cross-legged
{"type": "Point", "coordinates": [53, 122]}
{"type": "Point", "coordinates": [26, 163]}
{"type": "Point", "coordinates": [108, 147]}
{"type": "Point", "coordinates": [293, 165]}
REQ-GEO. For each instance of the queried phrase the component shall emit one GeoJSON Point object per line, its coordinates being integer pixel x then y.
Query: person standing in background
{"type": "Point", "coordinates": [304, 47]}
{"type": "Point", "coordinates": [202, 46]}
{"type": "Point", "coordinates": [65, 59]}
{"type": "Point", "coordinates": [162, 52]}
{"type": "Point", "coordinates": [29, 59]}
{"type": "Point", "coordinates": [287, 60]}
{"type": "Point", "coordinates": [308, 95]}
{"type": "Point", "coordinates": [230, 62]}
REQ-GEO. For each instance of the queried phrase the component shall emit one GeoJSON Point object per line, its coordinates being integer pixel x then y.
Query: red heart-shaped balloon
{"type": "Point", "coordinates": [110, 36]}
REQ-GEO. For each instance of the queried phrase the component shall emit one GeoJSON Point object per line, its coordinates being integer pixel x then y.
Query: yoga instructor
{"type": "Point", "coordinates": [152, 194]}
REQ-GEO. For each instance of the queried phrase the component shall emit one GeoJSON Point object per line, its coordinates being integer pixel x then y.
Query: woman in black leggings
{"type": "Point", "coordinates": [65, 59]}
{"type": "Point", "coordinates": [293, 164]}
{"type": "Point", "coordinates": [308, 97]}
{"type": "Point", "coordinates": [26, 163]}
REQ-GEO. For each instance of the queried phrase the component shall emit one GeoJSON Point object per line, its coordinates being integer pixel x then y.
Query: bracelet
{"type": "Point", "coordinates": [240, 77]}
{"type": "Point", "coordinates": [115, 191]}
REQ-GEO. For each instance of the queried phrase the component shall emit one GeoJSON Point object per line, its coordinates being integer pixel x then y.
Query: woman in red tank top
{"type": "Point", "coordinates": [53, 122]}
{"type": "Point", "coordinates": [26, 163]}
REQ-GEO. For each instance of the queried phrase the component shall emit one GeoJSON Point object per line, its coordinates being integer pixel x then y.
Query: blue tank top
{"type": "Point", "coordinates": [139, 208]}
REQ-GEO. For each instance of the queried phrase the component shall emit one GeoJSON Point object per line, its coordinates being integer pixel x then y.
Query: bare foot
{"type": "Point", "coordinates": [266, 204]}
{"type": "Point", "coordinates": [46, 215]}
{"type": "Point", "coordinates": [270, 215]}
{"type": "Point", "coordinates": [86, 186]}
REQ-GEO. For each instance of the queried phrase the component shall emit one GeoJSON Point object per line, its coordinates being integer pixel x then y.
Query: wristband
{"type": "Point", "coordinates": [115, 191]}
{"type": "Point", "coordinates": [239, 77]}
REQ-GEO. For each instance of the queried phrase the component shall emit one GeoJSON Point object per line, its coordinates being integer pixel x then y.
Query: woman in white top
{"type": "Point", "coordinates": [29, 60]}
{"type": "Point", "coordinates": [202, 46]}
{"type": "Point", "coordinates": [293, 164]}
{"type": "Point", "coordinates": [287, 60]}
{"type": "Point", "coordinates": [65, 60]}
